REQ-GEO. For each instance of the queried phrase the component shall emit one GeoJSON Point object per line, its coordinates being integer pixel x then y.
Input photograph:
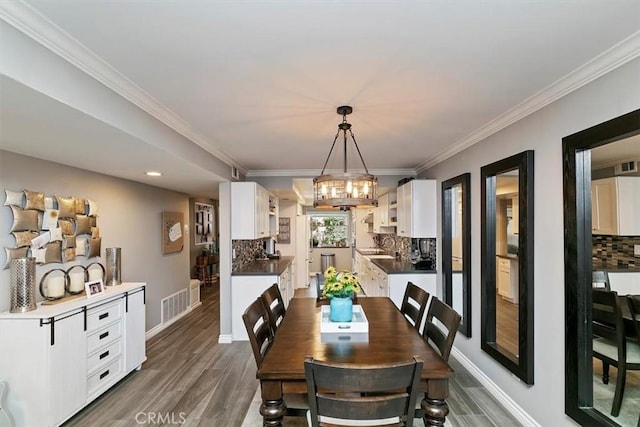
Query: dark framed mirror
{"type": "Point", "coordinates": [578, 245]}
{"type": "Point", "coordinates": [456, 247]}
{"type": "Point", "coordinates": [507, 263]}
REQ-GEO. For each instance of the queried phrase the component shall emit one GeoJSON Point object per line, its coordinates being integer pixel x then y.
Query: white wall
{"type": "Point", "coordinates": [609, 96]}
{"type": "Point", "coordinates": [129, 217]}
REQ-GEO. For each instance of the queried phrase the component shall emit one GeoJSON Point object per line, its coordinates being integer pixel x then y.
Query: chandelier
{"type": "Point", "coordinates": [345, 190]}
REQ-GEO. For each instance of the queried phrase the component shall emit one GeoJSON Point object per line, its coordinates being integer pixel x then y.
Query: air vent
{"type": "Point", "coordinates": [235, 173]}
{"type": "Point", "coordinates": [626, 167]}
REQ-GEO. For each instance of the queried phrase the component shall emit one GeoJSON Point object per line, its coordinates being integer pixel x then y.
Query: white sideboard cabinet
{"type": "Point", "coordinates": [58, 358]}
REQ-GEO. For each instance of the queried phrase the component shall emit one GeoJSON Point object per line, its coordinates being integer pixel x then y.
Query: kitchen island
{"type": "Point", "coordinates": [249, 281]}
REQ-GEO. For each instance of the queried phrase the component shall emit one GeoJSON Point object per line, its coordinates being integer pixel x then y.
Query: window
{"type": "Point", "coordinates": [330, 229]}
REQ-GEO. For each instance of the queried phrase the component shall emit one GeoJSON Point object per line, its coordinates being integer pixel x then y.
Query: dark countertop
{"type": "Point", "coordinates": [615, 269]}
{"type": "Point", "coordinates": [270, 267]}
{"type": "Point", "coordinates": [391, 266]}
{"type": "Point", "coordinates": [508, 256]}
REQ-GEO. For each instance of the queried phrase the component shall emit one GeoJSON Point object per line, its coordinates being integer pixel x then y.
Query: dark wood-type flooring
{"type": "Point", "coordinates": [191, 380]}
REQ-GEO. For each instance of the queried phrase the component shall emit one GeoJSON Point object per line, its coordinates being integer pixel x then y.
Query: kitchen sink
{"type": "Point", "coordinates": [379, 256]}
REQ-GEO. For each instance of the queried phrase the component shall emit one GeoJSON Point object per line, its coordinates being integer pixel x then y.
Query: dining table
{"type": "Point", "coordinates": [390, 338]}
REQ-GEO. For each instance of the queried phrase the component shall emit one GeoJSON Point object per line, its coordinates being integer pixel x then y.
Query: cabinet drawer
{"type": "Point", "coordinates": [103, 315]}
{"type": "Point", "coordinates": [103, 336]}
{"type": "Point", "coordinates": [105, 376]}
{"type": "Point", "coordinates": [104, 356]}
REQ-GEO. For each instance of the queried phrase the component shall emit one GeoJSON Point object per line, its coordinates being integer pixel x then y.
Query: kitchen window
{"type": "Point", "coordinates": [330, 229]}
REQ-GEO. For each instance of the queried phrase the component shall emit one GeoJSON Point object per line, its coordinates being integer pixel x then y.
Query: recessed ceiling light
{"type": "Point", "coordinates": [154, 173]}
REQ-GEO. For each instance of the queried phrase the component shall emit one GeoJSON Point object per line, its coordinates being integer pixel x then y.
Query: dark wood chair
{"type": "Point", "coordinates": [414, 304]}
{"type": "Point", "coordinates": [256, 322]}
{"type": "Point", "coordinates": [600, 279]}
{"type": "Point", "coordinates": [273, 302]}
{"type": "Point", "coordinates": [610, 343]}
{"type": "Point", "coordinates": [434, 333]}
{"type": "Point", "coordinates": [341, 392]}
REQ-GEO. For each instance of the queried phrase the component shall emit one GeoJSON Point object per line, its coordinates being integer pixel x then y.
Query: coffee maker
{"type": "Point", "coordinates": [424, 260]}
{"type": "Point", "coordinates": [270, 248]}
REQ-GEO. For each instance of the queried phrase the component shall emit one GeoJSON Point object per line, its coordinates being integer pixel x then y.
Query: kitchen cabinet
{"type": "Point", "coordinates": [385, 215]}
{"type": "Point", "coordinates": [249, 211]}
{"type": "Point", "coordinates": [615, 206]}
{"type": "Point", "coordinates": [416, 209]}
{"type": "Point", "coordinates": [507, 278]}
{"type": "Point", "coordinates": [58, 358]}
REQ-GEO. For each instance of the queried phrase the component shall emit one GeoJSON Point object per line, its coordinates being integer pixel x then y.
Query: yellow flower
{"type": "Point", "coordinates": [340, 284]}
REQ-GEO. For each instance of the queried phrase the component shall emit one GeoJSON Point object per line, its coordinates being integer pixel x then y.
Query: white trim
{"type": "Point", "coordinates": [225, 339]}
{"type": "Point", "coordinates": [316, 172]}
{"type": "Point", "coordinates": [38, 27]}
{"type": "Point", "coordinates": [510, 405]}
{"type": "Point", "coordinates": [612, 58]}
{"type": "Point", "coordinates": [162, 326]}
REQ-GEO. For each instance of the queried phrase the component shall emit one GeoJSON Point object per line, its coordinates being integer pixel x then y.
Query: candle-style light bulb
{"type": "Point", "coordinates": [349, 187]}
{"type": "Point", "coordinates": [323, 189]}
{"type": "Point", "coordinates": [365, 188]}
{"type": "Point", "coordinates": [333, 192]}
{"type": "Point", "coordinates": [355, 192]}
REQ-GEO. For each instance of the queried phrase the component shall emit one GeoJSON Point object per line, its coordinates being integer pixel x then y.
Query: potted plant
{"type": "Point", "coordinates": [339, 287]}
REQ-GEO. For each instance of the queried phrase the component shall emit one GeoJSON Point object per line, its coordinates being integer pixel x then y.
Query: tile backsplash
{"type": "Point", "coordinates": [615, 251]}
{"type": "Point", "coordinates": [246, 252]}
{"type": "Point", "coordinates": [392, 243]}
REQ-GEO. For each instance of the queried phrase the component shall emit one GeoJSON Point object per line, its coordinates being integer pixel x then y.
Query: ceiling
{"type": "Point", "coordinates": [257, 83]}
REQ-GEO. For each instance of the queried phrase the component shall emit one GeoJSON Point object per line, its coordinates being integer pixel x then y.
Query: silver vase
{"type": "Point", "coordinates": [113, 270]}
{"type": "Point", "coordinates": [22, 279]}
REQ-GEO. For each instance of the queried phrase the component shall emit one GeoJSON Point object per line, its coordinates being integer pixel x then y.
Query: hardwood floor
{"type": "Point", "coordinates": [191, 380]}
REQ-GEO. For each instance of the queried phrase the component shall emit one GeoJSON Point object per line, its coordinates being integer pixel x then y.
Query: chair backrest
{"type": "Point", "coordinates": [273, 302]}
{"type": "Point", "coordinates": [414, 304]}
{"type": "Point", "coordinates": [448, 319]}
{"type": "Point", "coordinates": [256, 321]}
{"type": "Point", "coordinates": [319, 285]}
{"type": "Point", "coordinates": [600, 279]}
{"type": "Point", "coordinates": [634, 308]}
{"type": "Point", "coordinates": [363, 392]}
{"type": "Point", "coordinates": [607, 319]}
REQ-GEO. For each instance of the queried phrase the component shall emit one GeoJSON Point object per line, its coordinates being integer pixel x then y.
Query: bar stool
{"type": "Point", "coordinates": [202, 270]}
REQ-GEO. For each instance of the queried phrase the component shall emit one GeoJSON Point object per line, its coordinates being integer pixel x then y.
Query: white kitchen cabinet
{"type": "Point", "coordinates": [383, 214]}
{"type": "Point", "coordinates": [615, 206]}
{"type": "Point", "coordinates": [58, 358]}
{"type": "Point", "coordinates": [249, 211]}
{"type": "Point", "coordinates": [507, 278]}
{"type": "Point", "coordinates": [416, 209]}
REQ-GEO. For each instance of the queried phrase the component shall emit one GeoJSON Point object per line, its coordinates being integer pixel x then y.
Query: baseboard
{"type": "Point", "coordinates": [225, 339]}
{"type": "Point", "coordinates": [510, 405]}
{"type": "Point", "coordinates": [161, 327]}
{"type": "Point", "coordinates": [196, 305]}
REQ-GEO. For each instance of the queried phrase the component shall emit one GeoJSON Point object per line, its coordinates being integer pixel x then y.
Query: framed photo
{"type": "Point", "coordinates": [93, 288]}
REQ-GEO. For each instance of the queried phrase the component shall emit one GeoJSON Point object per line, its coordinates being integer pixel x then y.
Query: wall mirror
{"type": "Point", "coordinates": [581, 379]}
{"type": "Point", "coordinates": [456, 247]}
{"type": "Point", "coordinates": [204, 232]}
{"type": "Point", "coordinates": [507, 263]}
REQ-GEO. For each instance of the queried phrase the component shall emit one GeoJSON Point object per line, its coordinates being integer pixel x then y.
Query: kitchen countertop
{"type": "Point", "coordinates": [270, 267]}
{"type": "Point", "coordinates": [508, 256]}
{"type": "Point", "coordinates": [615, 269]}
{"type": "Point", "coordinates": [391, 266]}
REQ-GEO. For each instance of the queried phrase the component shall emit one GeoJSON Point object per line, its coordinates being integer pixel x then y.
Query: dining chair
{"type": "Point", "coordinates": [353, 394]}
{"type": "Point", "coordinates": [414, 304]}
{"type": "Point", "coordinates": [610, 343]}
{"type": "Point", "coordinates": [634, 309]}
{"type": "Point", "coordinates": [600, 279]}
{"type": "Point", "coordinates": [443, 333]}
{"type": "Point", "coordinates": [256, 322]}
{"type": "Point", "coordinates": [273, 302]}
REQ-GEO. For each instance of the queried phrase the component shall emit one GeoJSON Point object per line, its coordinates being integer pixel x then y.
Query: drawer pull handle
{"type": "Point", "coordinates": [105, 354]}
{"type": "Point", "coordinates": [106, 334]}
{"type": "Point", "coordinates": [103, 316]}
{"type": "Point", "coordinates": [104, 374]}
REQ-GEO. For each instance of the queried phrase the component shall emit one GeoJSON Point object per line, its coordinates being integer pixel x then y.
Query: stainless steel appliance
{"type": "Point", "coordinates": [270, 247]}
{"type": "Point", "coordinates": [425, 260]}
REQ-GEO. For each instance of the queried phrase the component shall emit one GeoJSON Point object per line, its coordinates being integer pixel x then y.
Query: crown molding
{"type": "Point", "coordinates": [38, 27]}
{"type": "Point", "coordinates": [315, 172]}
{"type": "Point", "coordinates": [612, 58]}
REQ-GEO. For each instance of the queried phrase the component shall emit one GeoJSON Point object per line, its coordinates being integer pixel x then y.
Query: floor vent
{"type": "Point", "coordinates": [174, 305]}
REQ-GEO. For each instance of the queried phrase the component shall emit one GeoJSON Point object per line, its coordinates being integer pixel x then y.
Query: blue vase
{"type": "Point", "coordinates": [341, 309]}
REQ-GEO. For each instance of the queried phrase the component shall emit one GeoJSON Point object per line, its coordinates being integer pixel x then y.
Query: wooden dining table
{"type": "Point", "coordinates": [390, 339]}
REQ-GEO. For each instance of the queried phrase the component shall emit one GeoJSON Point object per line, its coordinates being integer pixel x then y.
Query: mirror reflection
{"type": "Point", "coordinates": [456, 248]}
{"type": "Point", "coordinates": [507, 262]}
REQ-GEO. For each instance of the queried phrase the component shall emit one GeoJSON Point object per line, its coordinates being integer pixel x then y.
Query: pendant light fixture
{"type": "Point", "coordinates": [345, 190]}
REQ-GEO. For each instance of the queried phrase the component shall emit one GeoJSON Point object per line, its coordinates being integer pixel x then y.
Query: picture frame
{"type": "Point", "coordinates": [284, 232]}
{"type": "Point", "coordinates": [93, 288]}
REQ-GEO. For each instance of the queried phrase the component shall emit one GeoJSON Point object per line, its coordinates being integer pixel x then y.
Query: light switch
{"type": "Point", "coordinates": [636, 250]}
